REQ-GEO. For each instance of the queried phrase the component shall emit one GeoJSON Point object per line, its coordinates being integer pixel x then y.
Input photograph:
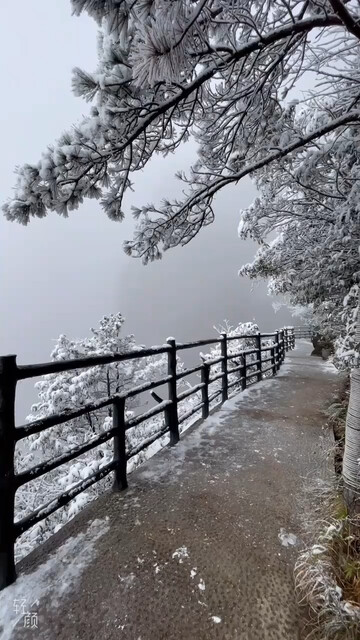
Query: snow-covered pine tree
{"type": "Point", "coordinates": [72, 389]}
{"type": "Point", "coordinates": [310, 262]}
{"type": "Point", "coordinates": [217, 70]}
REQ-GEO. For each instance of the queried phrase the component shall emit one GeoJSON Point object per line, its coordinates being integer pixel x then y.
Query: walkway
{"type": "Point", "coordinates": [201, 546]}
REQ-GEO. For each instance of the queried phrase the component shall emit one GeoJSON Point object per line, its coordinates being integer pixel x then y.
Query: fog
{"type": "Point", "coordinates": [62, 275]}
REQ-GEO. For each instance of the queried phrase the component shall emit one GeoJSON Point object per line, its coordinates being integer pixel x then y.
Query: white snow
{"type": "Point", "coordinates": [329, 366]}
{"type": "Point", "coordinates": [128, 580]}
{"type": "Point", "coordinates": [287, 539]}
{"type": "Point", "coordinates": [181, 553]}
{"type": "Point", "coordinates": [173, 466]}
{"type": "Point", "coordinates": [351, 609]}
{"type": "Point", "coordinates": [201, 585]}
{"type": "Point", "coordinates": [55, 578]}
{"type": "Point", "coordinates": [318, 549]}
{"type": "Point", "coordinates": [216, 619]}
{"type": "Point", "coordinates": [193, 572]}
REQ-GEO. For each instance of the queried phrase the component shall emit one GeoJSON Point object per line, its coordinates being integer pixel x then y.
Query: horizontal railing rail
{"type": "Point", "coordinates": [248, 372]}
{"type": "Point", "coordinates": [35, 370]}
{"type": "Point", "coordinates": [303, 332]}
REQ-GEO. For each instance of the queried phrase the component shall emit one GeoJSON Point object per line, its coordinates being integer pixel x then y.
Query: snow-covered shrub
{"type": "Point", "coordinates": [327, 573]}
{"type": "Point", "coordinates": [70, 390]}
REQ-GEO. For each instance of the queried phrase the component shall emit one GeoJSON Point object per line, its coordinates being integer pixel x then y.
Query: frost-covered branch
{"type": "Point", "coordinates": [167, 70]}
{"type": "Point", "coordinates": [181, 222]}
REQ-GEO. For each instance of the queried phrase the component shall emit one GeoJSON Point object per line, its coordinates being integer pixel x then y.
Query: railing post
{"type": "Point", "coordinates": [243, 373]}
{"type": "Point", "coordinates": [273, 361]}
{"type": "Point", "coordinates": [284, 344]}
{"type": "Point", "coordinates": [224, 368]}
{"type": "Point", "coordinates": [172, 412]}
{"type": "Point", "coordinates": [286, 338]}
{"type": "Point", "coordinates": [277, 350]}
{"type": "Point", "coordinates": [120, 479]}
{"type": "Point", "coordinates": [205, 374]}
{"type": "Point", "coordinates": [8, 379]}
{"type": "Point", "coordinates": [282, 349]}
{"type": "Point", "coordinates": [258, 356]}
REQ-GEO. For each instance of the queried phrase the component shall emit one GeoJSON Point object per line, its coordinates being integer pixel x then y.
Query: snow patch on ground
{"type": "Point", "coordinates": [216, 619]}
{"type": "Point", "coordinates": [329, 366]}
{"type": "Point", "coordinates": [173, 467]}
{"type": "Point", "coordinates": [201, 585]}
{"type": "Point", "coordinates": [55, 578]}
{"type": "Point", "coordinates": [128, 580]}
{"type": "Point", "coordinates": [287, 539]}
{"type": "Point", "coordinates": [181, 553]}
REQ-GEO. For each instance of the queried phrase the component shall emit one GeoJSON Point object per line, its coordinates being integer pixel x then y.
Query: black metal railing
{"type": "Point", "coordinates": [303, 332]}
{"type": "Point", "coordinates": [10, 373]}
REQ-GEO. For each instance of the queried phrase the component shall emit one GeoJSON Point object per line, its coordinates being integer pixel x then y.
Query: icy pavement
{"type": "Point", "coordinates": [53, 579]}
{"type": "Point", "coordinates": [202, 544]}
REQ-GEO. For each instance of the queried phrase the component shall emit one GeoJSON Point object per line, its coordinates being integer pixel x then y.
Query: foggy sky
{"type": "Point", "coordinates": [62, 275]}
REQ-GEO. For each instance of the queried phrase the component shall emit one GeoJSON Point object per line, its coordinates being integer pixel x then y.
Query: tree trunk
{"type": "Point", "coordinates": [351, 464]}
